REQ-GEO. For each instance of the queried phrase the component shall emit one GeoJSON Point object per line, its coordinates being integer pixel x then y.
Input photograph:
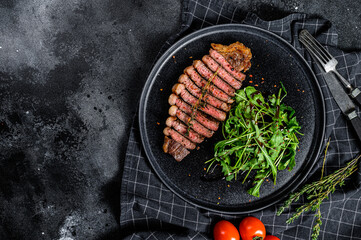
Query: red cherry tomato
{"type": "Point", "coordinates": [224, 230]}
{"type": "Point", "coordinates": [250, 228]}
{"type": "Point", "coordinates": [271, 237]}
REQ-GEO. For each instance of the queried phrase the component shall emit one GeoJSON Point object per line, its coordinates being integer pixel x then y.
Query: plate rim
{"type": "Point", "coordinates": [293, 183]}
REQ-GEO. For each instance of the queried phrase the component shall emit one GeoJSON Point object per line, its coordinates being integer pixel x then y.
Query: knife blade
{"type": "Point", "coordinates": [343, 100]}
{"type": "Point", "coordinates": [339, 94]}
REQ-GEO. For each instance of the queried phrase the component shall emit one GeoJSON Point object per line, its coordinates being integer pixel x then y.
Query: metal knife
{"type": "Point", "coordinates": [339, 94]}
{"type": "Point", "coordinates": [328, 62]}
{"type": "Point", "coordinates": [343, 100]}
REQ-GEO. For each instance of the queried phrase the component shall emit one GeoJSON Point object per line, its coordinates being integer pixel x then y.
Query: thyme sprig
{"type": "Point", "coordinates": [318, 191]}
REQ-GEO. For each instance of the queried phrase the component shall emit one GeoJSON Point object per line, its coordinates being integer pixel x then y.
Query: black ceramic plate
{"type": "Point", "coordinates": [274, 61]}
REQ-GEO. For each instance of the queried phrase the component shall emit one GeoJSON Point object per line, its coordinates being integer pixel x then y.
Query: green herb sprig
{"type": "Point", "coordinates": [259, 136]}
{"type": "Point", "coordinates": [318, 191]}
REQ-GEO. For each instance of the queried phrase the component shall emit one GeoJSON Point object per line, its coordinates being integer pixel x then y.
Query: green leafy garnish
{"type": "Point", "coordinates": [259, 136]}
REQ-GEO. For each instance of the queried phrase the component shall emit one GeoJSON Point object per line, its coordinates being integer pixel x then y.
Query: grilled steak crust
{"type": "Point", "coordinates": [226, 65]}
{"type": "Point", "coordinates": [175, 149]}
{"type": "Point", "coordinates": [183, 129]}
{"type": "Point", "coordinates": [200, 82]}
{"type": "Point", "coordinates": [202, 97]}
{"type": "Point", "coordinates": [238, 55]}
{"type": "Point", "coordinates": [210, 76]}
{"type": "Point", "coordinates": [206, 120]}
{"type": "Point", "coordinates": [204, 107]}
{"type": "Point", "coordinates": [215, 67]}
{"type": "Point", "coordinates": [197, 92]}
{"type": "Point", "coordinates": [186, 119]}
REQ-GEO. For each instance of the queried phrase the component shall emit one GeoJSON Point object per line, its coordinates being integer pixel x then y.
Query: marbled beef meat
{"type": "Point", "coordinates": [203, 96]}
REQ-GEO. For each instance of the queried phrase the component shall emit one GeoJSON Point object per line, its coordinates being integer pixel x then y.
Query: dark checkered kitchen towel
{"type": "Point", "coordinates": [151, 211]}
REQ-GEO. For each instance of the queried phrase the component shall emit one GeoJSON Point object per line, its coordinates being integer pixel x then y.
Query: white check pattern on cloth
{"type": "Point", "coordinates": [149, 210]}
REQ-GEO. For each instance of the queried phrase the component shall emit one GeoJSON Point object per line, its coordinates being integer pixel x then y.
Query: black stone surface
{"type": "Point", "coordinates": [71, 74]}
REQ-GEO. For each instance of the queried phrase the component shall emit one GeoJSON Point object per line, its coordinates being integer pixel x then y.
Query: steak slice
{"type": "Point", "coordinates": [175, 149]}
{"type": "Point", "coordinates": [199, 116]}
{"type": "Point", "coordinates": [210, 76]}
{"type": "Point", "coordinates": [183, 129]}
{"type": "Point", "coordinates": [179, 138]}
{"type": "Point", "coordinates": [187, 120]}
{"type": "Point", "coordinates": [214, 66]}
{"type": "Point", "coordinates": [226, 65]}
{"type": "Point", "coordinates": [236, 54]}
{"type": "Point", "coordinates": [197, 92]}
{"type": "Point", "coordinates": [202, 97]}
{"type": "Point", "coordinates": [200, 82]}
{"type": "Point", "coordinates": [180, 90]}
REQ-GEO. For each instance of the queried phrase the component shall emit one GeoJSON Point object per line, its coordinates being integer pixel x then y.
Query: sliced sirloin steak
{"type": "Point", "coordinates": [187, 119]}
{"type": "Point", "coordinates": [197, 92]}
{"type": "Point", "coordinates": [214, 66]}
{"type": "Point", "coordinates": [206, 120]}
{"type": "Point", "coordinates": [182, 129]}
{"type": "Point", "coordinates": [212, 76]}
{"type": "Point", "coordinates": [179, 89]}
{"type": "Point", "coordinates": [200, 82]}
{"type": "Point", "coordinates": [179, 138]}
{"type": "Point", "coordinates": [202, 97]}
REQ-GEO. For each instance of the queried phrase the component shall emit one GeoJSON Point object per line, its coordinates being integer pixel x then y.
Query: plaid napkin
{"type": "Point", "coordinates": [149, 210]}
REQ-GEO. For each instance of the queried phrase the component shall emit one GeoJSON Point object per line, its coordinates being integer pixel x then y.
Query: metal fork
{"type": "Point", "coordinates": [327, 61]}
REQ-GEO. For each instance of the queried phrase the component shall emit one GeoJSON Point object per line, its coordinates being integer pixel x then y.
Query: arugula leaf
{"type": "Point", "coordinates": [254, 191]}
{"type": "Point", "coordinates": [270, 162]}
{"type": "Point", "coordinates": [259, 136]}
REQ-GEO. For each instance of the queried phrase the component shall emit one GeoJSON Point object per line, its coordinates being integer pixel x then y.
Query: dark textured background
{"type": "Point", "coordinates": [71, 73]}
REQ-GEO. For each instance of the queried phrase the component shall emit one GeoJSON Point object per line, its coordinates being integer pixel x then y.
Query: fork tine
{"type": "Point", "coordinates": [317, 49]}
{"type": "Point", "coordinates": [322, 50]}
{"type": "Point", "coordinates": [308, 34]}
{"type": "Point", "coordinates": [313, 50]}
